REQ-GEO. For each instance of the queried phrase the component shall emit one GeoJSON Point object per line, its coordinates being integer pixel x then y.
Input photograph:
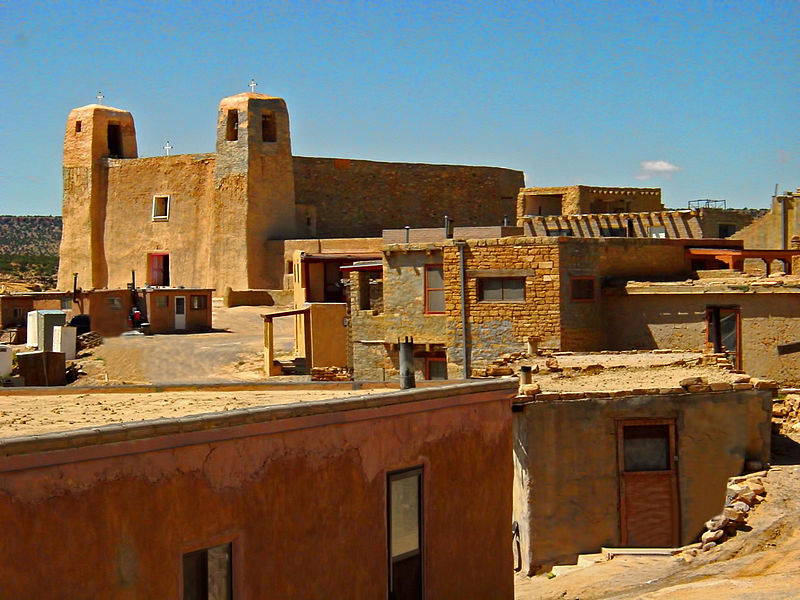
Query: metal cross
{"type": "Point", "coordinates": [167, 147]}
{"type": "Point", "coordinates": [100, 97]}
{"type": "Point", "coordinates": [253, 85]}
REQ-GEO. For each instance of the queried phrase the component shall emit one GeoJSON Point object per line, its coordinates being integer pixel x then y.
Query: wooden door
{"type": "Point", "coordinates": [648, 483]}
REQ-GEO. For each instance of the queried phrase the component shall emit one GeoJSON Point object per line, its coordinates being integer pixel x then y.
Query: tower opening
{"type": "Point", "coordinates": [232, 126]}
{"type": "Point", "coordinates": [114, 140]}
{"type": "Point", "coordinates": [269, 132]}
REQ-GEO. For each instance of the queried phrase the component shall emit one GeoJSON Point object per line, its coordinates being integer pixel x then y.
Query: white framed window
{"type": "Point", "coordinates": [160, 208]}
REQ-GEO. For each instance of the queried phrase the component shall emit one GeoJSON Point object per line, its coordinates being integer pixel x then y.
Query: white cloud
{"type": "Point", "coordinates": [649, 168]}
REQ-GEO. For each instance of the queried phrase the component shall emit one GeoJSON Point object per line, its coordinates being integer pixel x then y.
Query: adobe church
{"type": "Point", "coordinates": [219, 220]}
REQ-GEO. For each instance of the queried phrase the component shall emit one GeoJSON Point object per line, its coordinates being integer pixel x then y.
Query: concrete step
{"type": "Point", "coordinates": [587, 560]}
{"type": "Point", "coordinates": [559, 570]}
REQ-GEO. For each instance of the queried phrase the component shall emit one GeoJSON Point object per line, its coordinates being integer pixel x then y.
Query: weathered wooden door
{"type": "Point", "coordinates": [648, 483]}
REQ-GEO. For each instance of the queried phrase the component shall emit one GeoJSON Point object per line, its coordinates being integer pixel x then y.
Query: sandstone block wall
{"type": "Point", "coordinates": [352, 198]}
{"type": "Point", "coordinates": [583, 199]}
{"type": "Point", "coordinates": [496, 328]}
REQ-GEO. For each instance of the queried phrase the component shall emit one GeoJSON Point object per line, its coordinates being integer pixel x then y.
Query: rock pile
{"type": "Point", "coordinates": [744, 493]}
{"type": "Point", "coordinates": [786, 414]}
{"type": "Point", "coordinates": [499, 367]}
{"type": "Point", "coordinates": [330, 374]}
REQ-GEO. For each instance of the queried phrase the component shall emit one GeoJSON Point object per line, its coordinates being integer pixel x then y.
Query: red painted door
{"type": "Point", "coordinates": [649, 514]}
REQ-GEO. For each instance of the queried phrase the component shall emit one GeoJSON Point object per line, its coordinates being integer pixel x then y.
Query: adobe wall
{"type": "Point", "coordinates": [162, 319]}
{"type": "Point", "coordinates": [298, 496]}
{"type": "Point", "coordinates": [352, 198]}
{"type": "Point", "coordinates": [677, 321]}
{"type": "Point", "coordinates": [584, 199]}
{"type": "Point", "coordinates": [712, 218]}
{"type": "Point", "coordinates": [567, 490]}
{"type": "Point", "coordinates": [767, 232]}
{"type": "Point", "coordinates": [131, 232]}
{"type": "Point", "coordinates": [680, 224]}
{"type": "Point", "coordinates": [496, 328]}
{"type": "Point", "coordinates": [105, 320]}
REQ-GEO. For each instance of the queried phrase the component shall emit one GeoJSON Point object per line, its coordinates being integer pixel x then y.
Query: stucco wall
{"type": "Point", "coordinates": [131, 233]}
{"type": "Point", "coordinates": [567, 490]}
{"type": "Point", "coordinates": [302, 499]}
{"type": "Point", "coordinates": [353, 198]}
{"type": "Point", "coordinates": [659, 320]}
{"type": "Point", "coordinates": [767, 231]}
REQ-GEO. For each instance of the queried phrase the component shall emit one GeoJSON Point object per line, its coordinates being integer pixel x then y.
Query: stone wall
{"type": "Point", "coordinates": [767, 232]}
{"type": "Point", "coordinates": [584, 199]}
{"type": "Point", "coordinates": [496, 328]}
{"type": "Point", "coordinates": [352, 198]}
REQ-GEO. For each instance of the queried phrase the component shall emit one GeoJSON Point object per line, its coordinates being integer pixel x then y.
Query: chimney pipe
{"type": "Point", "coordinates": [408, 233]}
{"type": "Point", "coordinates": [407, 364]}
{"type": "Point", "coordinates": [448, 227]}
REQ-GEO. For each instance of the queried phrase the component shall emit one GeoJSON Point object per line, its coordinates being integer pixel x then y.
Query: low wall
{"type": "Point", "coordinates": [257, 297]}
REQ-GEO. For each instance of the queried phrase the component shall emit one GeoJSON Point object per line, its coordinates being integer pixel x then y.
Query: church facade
{"type": "Point", "coordinates": [219, 220]}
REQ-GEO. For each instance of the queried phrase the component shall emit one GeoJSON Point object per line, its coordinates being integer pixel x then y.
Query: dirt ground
{"type": "Point", "coordinates": [763, 563]}
{"type": "Point", "coordinates": [232, 352]}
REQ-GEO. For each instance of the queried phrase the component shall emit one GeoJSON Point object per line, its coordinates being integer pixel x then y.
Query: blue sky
{"type": "Point", "coordinates": [697, 98]}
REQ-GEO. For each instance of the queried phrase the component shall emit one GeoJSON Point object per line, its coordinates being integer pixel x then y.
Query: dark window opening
{"type": "Point", "coordinates": [434, 289]}
{"type": "Point", "coordinates": [269, 131]}
{"type": "Point", "coordinates": [723, 333]}
{"type": "Point", "coordinates": [114, 140]}
{"type": "Point", "coordinates": [646, 448]}
{"type": "Point", "coordinates": [77, 126]}
{"type": "Point", "coordinates": [232, 126]}
{"type": "Point", "coordinates": [404, 510]}
{"type": "Point", "coordinates": [631, 230]}
{"type": "Point", "coordinates": [582, 289]}
{"type": "Point", "coordinates": [207, 574]}
{"type": "Point", "coordinates": [726, 230]}
{"type": "Point", "coordinates": [501, 289]}
{"type": "Point", "coordinates": [613, 232]}
{"type": "Point", "coordinates": [436, 367]}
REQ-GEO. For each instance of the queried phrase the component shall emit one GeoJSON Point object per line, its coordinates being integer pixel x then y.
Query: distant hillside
{"type": "Point", "coordinates": [32, 236]}
{"type": "Point", "coordinates": [29, 251]}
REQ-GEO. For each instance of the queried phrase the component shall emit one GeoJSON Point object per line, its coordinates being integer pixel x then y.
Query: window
{"type": "Point", "coordinates": [613, 232]}
{"type": "Point", "coordinates": [582, 289]}
{"type": "Point", "coordinates": [726, 229]}
{"type": "Point", "coordinates": [198, 302]}
{"type": "Point", "coordinates": [434, 289]}
{"type": "Point", "coordinates": [435, 367]}
{"type": "Point", "coordinates": [269, 132]}
{"type": "Point", "coordinates": [162, 301]}
{"type": "Point", "coordinates": [657, 232]}
{"type": "Point", "coordinates": [66, 303]}
{"type": "Point", "coordinates": [646, 448]}
{"type": "Point", "coordinates": [160, 208]}
{"type": "Point", "coordinates": [404, 511]}
{"type": "Point", "coordinates": [232, 125]}
{"type": "Point", "coordinates": [115, 303]}
{"type": "Point", "coordinates": [77, 126]}
{"type": "Point", "coordinates": [501, 289]}
{"type": "Point", "coordinates": [207, 574]}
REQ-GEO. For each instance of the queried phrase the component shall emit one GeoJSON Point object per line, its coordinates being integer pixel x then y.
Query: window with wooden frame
{"type": "Point", "coordinates": [501, 289]}
{"type": "Point", "coordinates": [435, 367]}
{"type": "Point", "coordinates": [207, 574]}
{"type": "Point", "coordinates": [405, 533]}
{"type": "Point", "coordinates": [434, 289]}
{"type": "Point", "coordinates": [160, 208]}
{"type": "Point", "coordinates": [198, 302]}
{"type": "Point", "coordinates": [581, 289]}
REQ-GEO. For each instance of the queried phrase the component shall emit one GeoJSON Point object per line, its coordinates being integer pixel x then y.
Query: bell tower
{"type": "Point", "coordinates": [94, 135]}
{"type": "Point", "coordinates": [254, 189]}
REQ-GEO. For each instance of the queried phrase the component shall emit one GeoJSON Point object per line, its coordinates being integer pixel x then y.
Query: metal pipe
{"type": "Point", "coordinates": [461, 270]}
{"type": "Point", "coordinates": [406, 352]}
{"type": "Point", "coordinates": [408, 233]}
{"type": "Point", "coordinates": [448, 227]}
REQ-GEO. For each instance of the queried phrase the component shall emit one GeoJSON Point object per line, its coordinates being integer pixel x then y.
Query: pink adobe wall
{"type": "Point", "coordinates": [302, 499]}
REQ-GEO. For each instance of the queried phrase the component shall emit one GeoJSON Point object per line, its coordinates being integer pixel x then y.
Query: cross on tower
{"type": "Point", "coordinates": [253, 85]}
{"type": "Point", "coordinates": [167, 147]}
{"type": "Point", "coordinates": [99, 97]}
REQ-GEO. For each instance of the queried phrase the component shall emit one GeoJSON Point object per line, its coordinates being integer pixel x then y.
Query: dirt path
{"type": "Point", "coordinates": [763, 563]}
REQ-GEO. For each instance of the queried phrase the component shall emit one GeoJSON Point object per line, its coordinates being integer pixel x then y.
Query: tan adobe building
{"type": "Point", "coordinates": [776, 228]}
{"type": "Point", "coordinates": [565, 294]}
{"type": "Point", "coordinates": [591, 211]}
{"type": "Point", "coordinates": [219, 220]}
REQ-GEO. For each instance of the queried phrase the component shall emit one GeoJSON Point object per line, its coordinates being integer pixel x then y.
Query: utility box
{"type": "Point", "coordinates": [42, 368]}
{"type": "Point", "coordinates": [5, 361]}
{"type": "Point", "coordinates": [65, 339]}
{"type": "Point", "coordinates": [46, 321]}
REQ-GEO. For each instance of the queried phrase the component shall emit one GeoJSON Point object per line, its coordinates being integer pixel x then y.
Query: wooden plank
{"type": "Point", "coordinates": [789, 348]}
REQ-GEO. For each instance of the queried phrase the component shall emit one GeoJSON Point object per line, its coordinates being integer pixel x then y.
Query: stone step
{"type": "Point", "coordinates": [612, 552]}
{"type": "Point", "coordinates": [559, 570]}
{"type": "Point", "coordinates": [587, 560]}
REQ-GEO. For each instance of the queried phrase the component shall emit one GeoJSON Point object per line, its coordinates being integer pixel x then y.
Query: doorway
{"type": "Point", "coordinates": [114, 140]}
{"type": "Point", "coordinates": [723, 332]}
{"type": "Point", "coordinates": [180, 312]}
{"type": "Point", "coordinates": [648, 483]}
{"type": "Point", "coordinates": [159, 269]}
